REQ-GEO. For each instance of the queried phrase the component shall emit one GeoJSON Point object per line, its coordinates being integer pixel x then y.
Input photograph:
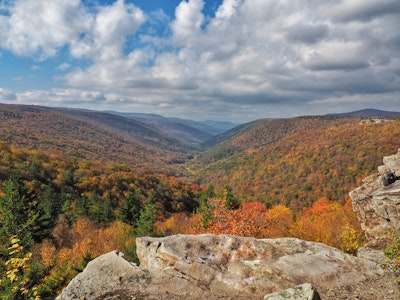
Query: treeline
{"type": "Point", "coordinates": [66, 211]}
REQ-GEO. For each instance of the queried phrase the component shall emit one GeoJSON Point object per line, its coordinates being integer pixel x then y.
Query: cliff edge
{"type": "Point", "coordinates": [377, 206]}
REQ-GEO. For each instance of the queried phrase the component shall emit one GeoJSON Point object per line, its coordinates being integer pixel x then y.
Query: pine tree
{"type": "Point", "coordinates": [204, 207]}
{"type": "Point", "coordinates": [231, 202]}
{"type": "Point", "coordinates": [48, 209]}
{"type": "Point", "coordinates": [145, 224]}
{"type": "Point", "coordinates": [130, 210]}
{"type": "Point", "coordinates": [17, 211]}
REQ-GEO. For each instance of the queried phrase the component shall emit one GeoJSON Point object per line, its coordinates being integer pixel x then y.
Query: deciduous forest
{"type": "Point", "coordinates": [59, 211]}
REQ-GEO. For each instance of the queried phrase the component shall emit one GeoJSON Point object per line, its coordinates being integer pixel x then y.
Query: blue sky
{"type": "Point", "coordinates": [236, 60]}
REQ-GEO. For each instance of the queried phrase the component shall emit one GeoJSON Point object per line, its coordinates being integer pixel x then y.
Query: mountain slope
{"type": "Point", "coordinates": [305, 163]}
{"type": "Point", "coordinates": [91, 135]}
{"type": "Point", "coordinates": [262, 132]}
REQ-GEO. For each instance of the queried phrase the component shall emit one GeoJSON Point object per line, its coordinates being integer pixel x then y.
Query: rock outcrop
{"type": "Point", "coordinates": [219, 267]}
{"type": "Point", "coordinates": [377, 205]}
{"type": "Point", "coordinates": [108, 272]}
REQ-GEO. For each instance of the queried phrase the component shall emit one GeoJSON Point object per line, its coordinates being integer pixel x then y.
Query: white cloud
{"type": "Point", "coordinates": [255, 56]}
{"type": "Point", "coordinates": [36, 27]}
{"type": "Point", "coordinates": [363, 10]}
{"type": "Point", "coordinates": [256, 52]}
{"type": "Point", "coordinates": [7, 95]}
{"type": "Point", "coordinates": [40, 28]}
{"type": "Point", "coordinates": [61, 97]}
{"type": "Point", "coordinates": [109, 29]}
{"type": "Point", "coordinates": [188, 20]}
{"type": "Point", "coordinates": [63, 66]}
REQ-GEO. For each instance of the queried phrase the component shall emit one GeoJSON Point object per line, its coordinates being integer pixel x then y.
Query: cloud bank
{"type": "Point", "coordinates": [249, 59]}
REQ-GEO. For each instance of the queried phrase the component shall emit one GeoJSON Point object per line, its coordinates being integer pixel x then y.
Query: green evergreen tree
{"type": "Point", "coordinates": [17, 211]}
{"type": "Point", "coordinates": [83, 205]}
{"type": "Point", "coordinates": [145, 224]}
{"type": "Point", "coordinates": [100, 211]}
{"type": "Point", "coordinates": [231, 201]}
{"type": "Point", "coordinates": [130, 209]}
{"type": "Point", "coordinates": [204, 207]}
{"type": "Point", "coordinates": [48, 210]}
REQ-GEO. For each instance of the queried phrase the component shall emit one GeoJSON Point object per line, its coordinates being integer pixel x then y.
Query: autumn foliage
{"type": "Point", "coordinates": [325, 221]}
{"type": "Point", "coordinates": [251, 219]}
{"type": "Point", "coordinates": [67, 211]}
{"type": "Point", "coordinates": [331, 223]}
{"type": "Point", "coordinates": [297, 161]}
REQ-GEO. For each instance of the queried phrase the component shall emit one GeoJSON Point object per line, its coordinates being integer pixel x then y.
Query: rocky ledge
{"type": "Point", "coordinates": [377, 204]}
{"type": "Point", "coordinates": [221, 267]}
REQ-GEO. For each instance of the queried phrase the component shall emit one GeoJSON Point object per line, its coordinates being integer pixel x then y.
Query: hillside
{"type": "Point", "coordinates": [187, 131]}
{"type": "Point", "coordinates": [91, 135]}
{"type": "Point", "coordinates": [262, 132]}
{"type": "Point", "coordinates": [296, 161]}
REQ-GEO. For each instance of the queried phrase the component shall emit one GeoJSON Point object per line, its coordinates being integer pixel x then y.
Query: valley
{"type": "Point", "coordinates": [77, 183]}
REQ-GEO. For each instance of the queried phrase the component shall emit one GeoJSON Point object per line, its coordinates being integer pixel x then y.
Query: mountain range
{"type": "Point", "coordinates": [171, 145]}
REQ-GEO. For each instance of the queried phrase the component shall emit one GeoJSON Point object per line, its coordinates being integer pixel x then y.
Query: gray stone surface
{"type": "Point", "coordinates": [218, 267]}
{"type": "Point", "coordinates": [301, 292]}
{"type": "Point", "coordinates": [377, 205]}
{"type": "Point", "coordinates": [252, 267]}
{"type": "Point", "coordinates": [107, 272]}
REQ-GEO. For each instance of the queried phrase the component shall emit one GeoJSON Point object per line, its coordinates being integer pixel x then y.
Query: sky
{"type": "Point", "coordinates": [228, 60]}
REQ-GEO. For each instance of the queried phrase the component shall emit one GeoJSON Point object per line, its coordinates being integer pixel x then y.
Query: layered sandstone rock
{"type": "Point", "coordinates": [219, 267]}
{"type": "Point", "coordinates": [108, 272]}
{"type": "Point", "coordinates": [377, 205]}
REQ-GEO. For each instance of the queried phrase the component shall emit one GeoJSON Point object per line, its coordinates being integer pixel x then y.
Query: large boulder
{"type": "Point", "coordinates": [108, 272]}
{"type": "Point", "coordinates": [377, 205]}
{"type": "Point", "coordinates": [221, 267]}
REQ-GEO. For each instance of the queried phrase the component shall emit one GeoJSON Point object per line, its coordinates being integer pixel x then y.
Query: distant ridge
{"type": "Point", "coordinates": [369, 112]}
{"type": "Point", "coordinates": [230, 133]}
{"type": "Point", "coordinates": [187, 131]}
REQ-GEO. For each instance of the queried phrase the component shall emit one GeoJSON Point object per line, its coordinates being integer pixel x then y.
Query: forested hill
{"type": "Point", "coordinates": [297, 161]}
{"type": "Point", "coordinates": [91, 135]}
{"type": "Point", "coordinates": [262, 132]}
